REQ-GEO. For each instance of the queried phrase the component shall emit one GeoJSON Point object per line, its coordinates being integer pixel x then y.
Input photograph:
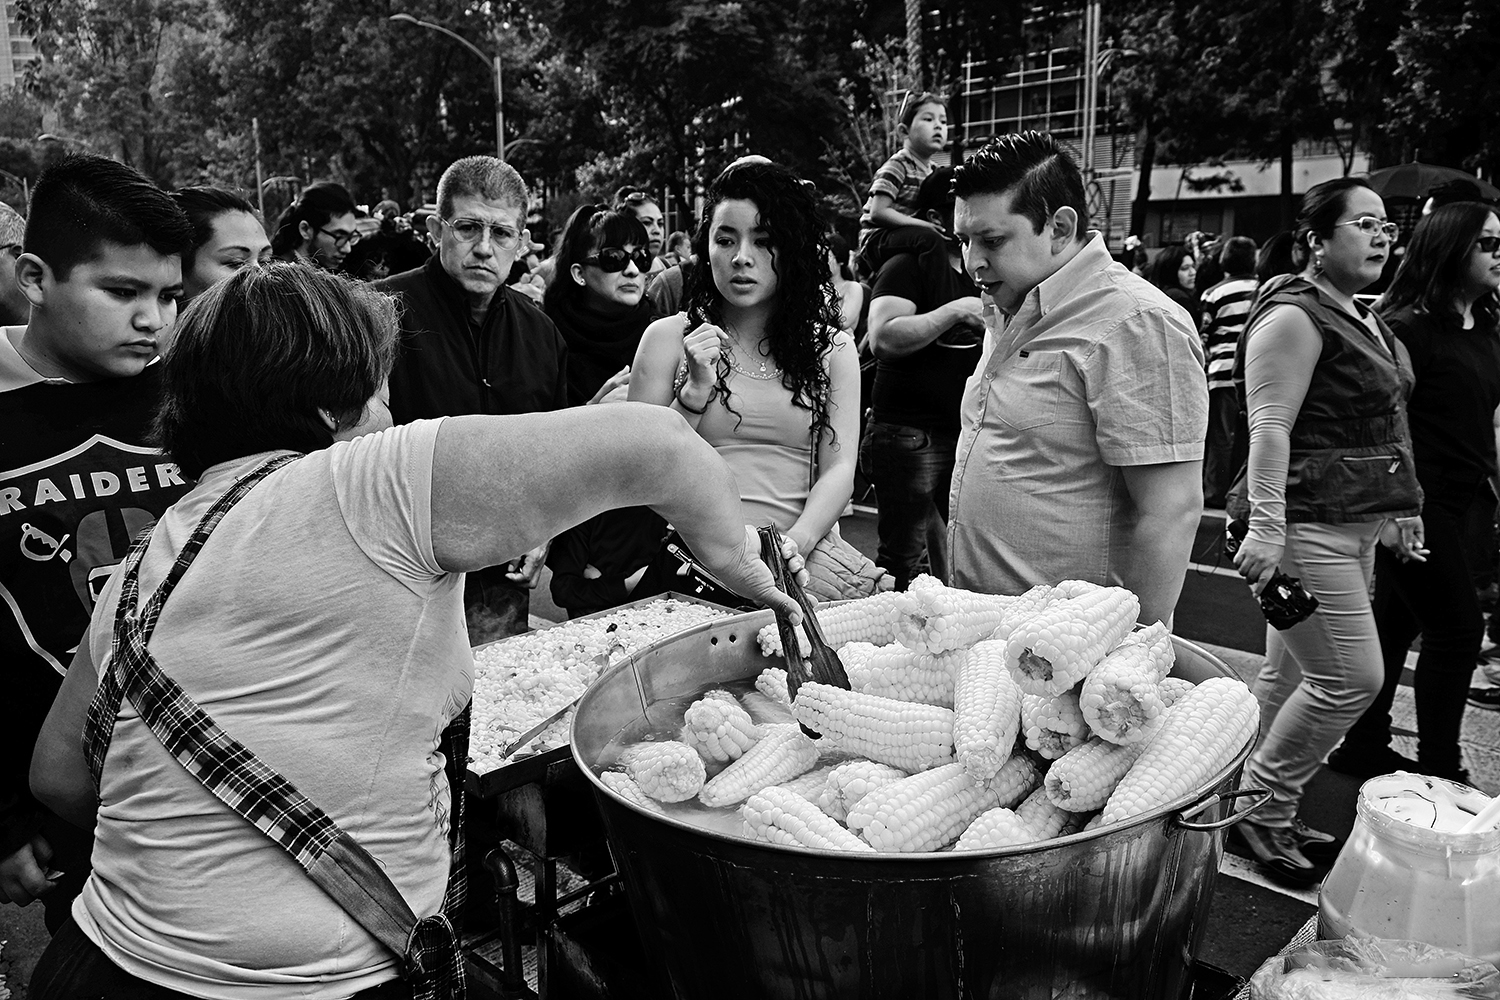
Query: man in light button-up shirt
{"type": "Point", "coordinates": [1081, 448]}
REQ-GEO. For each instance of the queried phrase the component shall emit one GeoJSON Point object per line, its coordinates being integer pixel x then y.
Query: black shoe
{"type": "Point", "coordinates": [1486, 697]}
{"type": "Point", "coordinates": [1453, 772]}
{"type": "Point", "coordinates": [1278, 850]}
{"type": "Point", "coordinates": [1318, 846]}
{"type": "Point", "coordinates": [1369, 762]}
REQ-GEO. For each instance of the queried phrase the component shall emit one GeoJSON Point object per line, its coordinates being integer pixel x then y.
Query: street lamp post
{"type": "Point", "coordinates": [493, 61]}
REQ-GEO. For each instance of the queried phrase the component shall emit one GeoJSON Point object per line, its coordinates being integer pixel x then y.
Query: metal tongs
{"type": "Point", "coordinates": [823, 664]}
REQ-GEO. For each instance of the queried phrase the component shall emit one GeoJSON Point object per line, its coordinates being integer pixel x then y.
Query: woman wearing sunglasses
{"type": "Point", "coordinates": [1443, 306]}
{"type": "Point", "coordinates": [597, 301]}
{"type": "Point", "coordinates": [318, 228]}
{"type": "Point", "coordinates": [1330, 472]}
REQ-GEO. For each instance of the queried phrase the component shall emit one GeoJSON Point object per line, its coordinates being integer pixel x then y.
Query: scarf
{"type": "Point", "coordinates": [601, 339]}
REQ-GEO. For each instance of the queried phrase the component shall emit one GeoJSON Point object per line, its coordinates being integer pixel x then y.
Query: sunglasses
{"type": "Point", "coordinates": [1371, 226]}
{"type": "Point", "coordinates": [612, 260]}
{"type": "Point", "coordinates": [1488, 244]}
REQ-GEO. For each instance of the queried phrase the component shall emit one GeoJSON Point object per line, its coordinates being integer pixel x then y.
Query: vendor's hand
{"type": "Point", "coordinates": [22, 874]}
{"type": "Point", "coordinates": [1406, 537]}
{"type": "Point", "coordinates": [743, 572]}
{"type": "Point", "coordinates": [529, 572]}
{"type": "Point", "coordinates": [1256, 561]}
{"type": "Point", "coordinates": [615, 390]}
{"type": "Point", "coordinates": [703, 348]}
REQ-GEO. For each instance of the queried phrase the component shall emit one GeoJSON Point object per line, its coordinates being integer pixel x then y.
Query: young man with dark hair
{"type": "Point", "coordinates": [1081, 447]}
{"type": "Point", "coordinates": [101, 271]}
{"type": "Point", "coordinates": [1226, 306]}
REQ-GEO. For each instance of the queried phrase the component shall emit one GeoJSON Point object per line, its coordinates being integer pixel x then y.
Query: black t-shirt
{"type": "Point", "coordinates": [77, 484]}
{"type": "Point", "coordinates": [924, 388]}
{"type": "Point", "coordinates": [1452, 406]}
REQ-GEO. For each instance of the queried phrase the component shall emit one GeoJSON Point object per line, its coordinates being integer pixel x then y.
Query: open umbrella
{"type": "Point", "coordinates": [1414, 180]}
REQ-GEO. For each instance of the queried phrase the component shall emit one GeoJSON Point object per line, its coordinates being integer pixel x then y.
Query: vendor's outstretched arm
{"type": "Point", "coordinates": [1168, 499]}
{"type": "Point", "coordinates": [502, 485]}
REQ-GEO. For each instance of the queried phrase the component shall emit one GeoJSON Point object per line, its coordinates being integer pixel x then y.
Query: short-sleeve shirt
{"type": "Point", "coordinates": [1097, 370]}
{"type": "Point", "coordinates": [898, 179]}
{"type": "Point", "coordinates": [317, 628]}
{"type": "Point", "coordinates": [922, 389]}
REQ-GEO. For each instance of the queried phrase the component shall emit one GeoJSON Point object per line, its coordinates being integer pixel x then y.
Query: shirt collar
{"type": "Point", "coordinates": [1062, 283]}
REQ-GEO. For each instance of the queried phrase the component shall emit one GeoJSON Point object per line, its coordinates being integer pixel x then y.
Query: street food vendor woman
{"type": "Point", "coordinates": [252, 722]}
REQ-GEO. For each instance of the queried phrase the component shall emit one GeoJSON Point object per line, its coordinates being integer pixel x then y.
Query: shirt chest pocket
{"type": "Point", "coordinates": [1027, 390]}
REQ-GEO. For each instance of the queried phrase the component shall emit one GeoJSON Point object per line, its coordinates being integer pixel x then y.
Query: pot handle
{"type": "Point", "coordinates": [1263, 796]}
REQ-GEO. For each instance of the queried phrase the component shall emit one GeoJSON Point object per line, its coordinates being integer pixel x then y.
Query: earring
{"type": "Point", "coordinates": [1318, 263]}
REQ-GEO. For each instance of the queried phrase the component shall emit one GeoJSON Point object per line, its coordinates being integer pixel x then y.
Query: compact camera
{"type": "Point", "coordinates": [1282, 600]}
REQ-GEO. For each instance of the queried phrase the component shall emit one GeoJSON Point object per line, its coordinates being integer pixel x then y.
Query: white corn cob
{"type": "Point", "coordinates": [782, 754]}
{"type": "Point", "coordinates": [1055, 648]}
{"type": "Point", "coordinates": [1044, 818]}
{"type": "Point", "coordinates": [668, 771]}
{"type": "Point", "coordinates": [809, 785]}
{"type": "Point", "coordinates": [1119, 697]}
{"type": "Point", "coordinates": [986, 710]}
{"type": "Point", "coordinates": [1025, 606]}
{"type": "Point", "coordinates": [1095, 823]}
{"type": "Point", "coordinates": [923, 812]}
{"type": "Point", "coordinates": [1069, 589]}
{"type": "Point", "coordinates": [719, 730]}
{"type": "Point", "coordinates": [1202, 733]}
{"type": "Point", "coordinates": [780, 816]}
{"type": "Point", "coordinates": [868, 619]}
{"type": "Point", "coordinates": [1082, 779]}
{"type": "Point", "coordinates": [1173, 688]}
{"type": "Point", "coordinates": [772, 684]}
{"type": "Point", "coordinates": [902, 734]}
{"type": "Point", "coordinates": [719, 694]}
{"type": "Point", "coordinates": [894, 671]}
{"type": "Point", "coordinates": [848, 783]}
{"type": "Point", "coordinates": [1016, 780]}
{"type": "Point", "coordinates": [998, 827]}
{"type": "Point", "coordinates": [936, 619]}
{"type": "Point", "coordinates": [625, 787]}
{"type": "Point", "coordinates": [1053, 724]}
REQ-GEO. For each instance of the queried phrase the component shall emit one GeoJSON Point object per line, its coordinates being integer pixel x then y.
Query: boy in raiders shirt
{"type": "Point", "coordinates": [101, 269]}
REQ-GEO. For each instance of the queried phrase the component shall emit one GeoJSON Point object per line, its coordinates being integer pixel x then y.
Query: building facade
{"type": "Point", "coordinates": [16, 48]}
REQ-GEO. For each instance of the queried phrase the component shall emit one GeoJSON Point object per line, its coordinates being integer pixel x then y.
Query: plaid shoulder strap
{"type": "Point", "coordinates": [263, 797]}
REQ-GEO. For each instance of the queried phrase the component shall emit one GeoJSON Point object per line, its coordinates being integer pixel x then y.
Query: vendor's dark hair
{"type": "Point", "coordinates": [315, 205]}
{"type": "Point", "coordinates": [84, 201]}
{"type": "Point", "coordinates": [1432, 272]}
{"type": "Point", "coordinates": [202, 206]}
{"type": "Point", "coordinates": [805, 318]}
{"type": "Point", "coordinates": [589, 228]}
{"type": "Point", "coordinates": [1038, 174]}
{"type": "Point", "coordinates": [1321, 208]}
{"type": "Point", "coordinates": [256, 357]}
{"type": "Point", "coordinates": [935, 194]}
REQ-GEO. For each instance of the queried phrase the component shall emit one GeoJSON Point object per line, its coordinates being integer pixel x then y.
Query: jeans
{"type": "Point", "coordinates": [911, 470]}
{"type": "Point", "coordinates": [1322, 673]}
{"type": "Point", "coordinates": [1436, 600]}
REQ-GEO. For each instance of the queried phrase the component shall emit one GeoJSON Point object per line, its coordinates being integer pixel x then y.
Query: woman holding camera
{"type": "Point", "coordinates": [1330, 473]}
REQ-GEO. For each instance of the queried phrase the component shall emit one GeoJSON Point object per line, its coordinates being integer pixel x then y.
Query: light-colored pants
{"type": "Point", "coordinates": [1322, 673]}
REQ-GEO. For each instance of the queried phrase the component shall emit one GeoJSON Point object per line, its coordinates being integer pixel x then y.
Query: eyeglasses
{"type": "Point", "coordinates": [472, 231]}
{"type": "Point", "coordinates": [1488, 244]}
{"type": "Point", "coordinates": [14, 249]}
{"type": "Point", "coordinates": [611, 260]}
{"type": "Point", "coordinates": [1371, 226]}
{"type": "Point", "coordinates": [341, 239]}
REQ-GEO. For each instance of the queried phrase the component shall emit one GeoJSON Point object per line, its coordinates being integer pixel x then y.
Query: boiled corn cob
{"type": "Point", "coordinates": [1201, 735]}
{"type": "Point", "coordinates": [719, 730]}
{"type": "Point", "coordinates": [848, 783]}
{"type": "Point", "coordinates": [809, 785]}
{"type": "Point", "coordinates": [719, 694]}
{"type": "Point", "coordinates": [894, 671]}
{"type": "Point", "coordinates": [780, 755]}
{"type": "Point", "coordinates": [1044, 818]}
{"type": "Point", "coordinates": [1082, 779]}
{"type": "Point", "coordinates": [922, 812]}
{"type": "Point", "coordinates": [986, 710]}
{"type": "Point", "coordinates": [905, 735]}
{"type": "Point", "coordinates": [868, 619]}
{"type": "Point", "coordinates": [1119, 697]}
{"type": "Point", "coordinates": [1016, 780]}
{"type": "Point", "coordinates": [669, 771]}
{"type": "Point", "coordinates": [625, 787]}
{"type": "Point", "coordinates": [772, 684]}
{"type": "Point", "coordinates": [1055, 648]}
{"type": "Point", "coordinates": [1053, 724]}
{"type": "Point", "coordinates": [1069, 589]}
{"type": "Point", "coordinates": [1173, 688]}
{"type": "Point", "coordinates": [998, 827]}
{"type": "Point", "coordinates": [778, 815]}
{"type": "Point", "coordinates": [1025, 606]}
{"type": "Point", "coordinates": [936, 619]}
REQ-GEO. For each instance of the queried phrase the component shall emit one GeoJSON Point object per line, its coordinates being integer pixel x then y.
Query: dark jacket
{"type": "Point", "coordinates": [514, 362]}
{"type": "Point", "coordinates": [1351, 455]}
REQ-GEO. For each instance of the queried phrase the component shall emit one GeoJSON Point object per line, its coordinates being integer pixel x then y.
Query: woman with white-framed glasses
{"type": "Point", "coordinates": [1330, 473]}
{"type": "Point", "coordinates": [318, 228]}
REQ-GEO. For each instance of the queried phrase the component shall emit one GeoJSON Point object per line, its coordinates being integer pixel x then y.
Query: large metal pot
{"type": "Point", "coordinates": [1113, 913]}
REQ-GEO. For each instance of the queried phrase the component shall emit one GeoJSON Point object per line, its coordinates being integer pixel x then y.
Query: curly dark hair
{"type": "Point", "coordinates": [805, 316]}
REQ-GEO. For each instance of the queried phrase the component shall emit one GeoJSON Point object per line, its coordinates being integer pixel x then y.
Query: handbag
{"type": "Point", "coordinates": [427, 948]}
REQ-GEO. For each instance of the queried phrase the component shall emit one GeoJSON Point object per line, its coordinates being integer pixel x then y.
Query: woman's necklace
{"type": "Point", "coordinates": [765, 374]}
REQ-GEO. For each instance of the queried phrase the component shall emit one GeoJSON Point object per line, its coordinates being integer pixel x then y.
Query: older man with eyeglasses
{"type": "Point", "coordinates": [14, 308]}
{"type": "Point", "coordinates": [470, 345]}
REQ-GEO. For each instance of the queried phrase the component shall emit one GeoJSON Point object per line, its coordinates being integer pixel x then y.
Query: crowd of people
{"type": "Point", "coordinates": [250, 491]}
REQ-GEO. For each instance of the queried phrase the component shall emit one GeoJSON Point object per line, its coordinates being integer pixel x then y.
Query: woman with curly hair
{"type": "Point", "coordinates": [757, 363]}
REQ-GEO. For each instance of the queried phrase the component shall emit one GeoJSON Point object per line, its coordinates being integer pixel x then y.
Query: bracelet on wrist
{"type": "Point", "coordinates": [696, 412]}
